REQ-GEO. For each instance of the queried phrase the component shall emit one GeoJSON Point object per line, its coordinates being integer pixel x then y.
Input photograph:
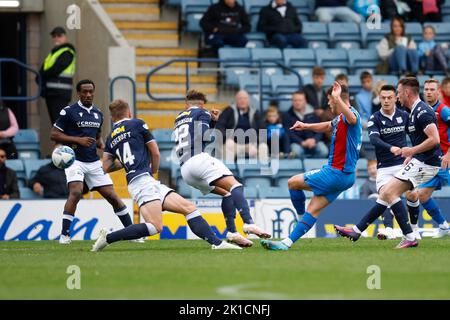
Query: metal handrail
{"type": "Point", "coordinates": [27, 67]}
{"type": "Point", "coordinates": [133, 85]}
{"type": "Point", "coordinates": [263, 63]}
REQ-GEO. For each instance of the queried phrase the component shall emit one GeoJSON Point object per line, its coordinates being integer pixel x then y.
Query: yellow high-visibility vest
{"type": "Point", "coordinates": [51, 59]}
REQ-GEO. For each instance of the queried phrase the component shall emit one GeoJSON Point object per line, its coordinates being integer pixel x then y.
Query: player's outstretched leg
{"type": "Point", "coordinates": [413, 205]}
{"type": "Point", "coordinates": [388, 221]}
{"type": "Point", "coordinates": [75, 195]}
{"type": "Point", "coordinates": [175, 203]}
{"type": "Point", "coordinates": [429, 204]}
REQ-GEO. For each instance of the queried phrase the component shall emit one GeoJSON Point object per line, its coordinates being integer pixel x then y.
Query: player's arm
{"type": "Point", "coordinates": [155, 157]}
{"type": "Point", "coordinates": [445, 116]}
{"type": "Point", "coordinates": [375, 137]}
{"type": "Point", "coordinates": [432, 140]}
{"type": "Point", "coordinates": [316, 127]}
{"type": "Point", "coordinates": [342, 107]}
{"type": "Point", "coordinates": [60, 137]}
{"type": "Point", "coordinates": [110, 163]}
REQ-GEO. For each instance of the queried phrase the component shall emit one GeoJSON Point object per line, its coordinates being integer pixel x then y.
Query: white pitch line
{"type": "Point", "coordinates": [250, 290]}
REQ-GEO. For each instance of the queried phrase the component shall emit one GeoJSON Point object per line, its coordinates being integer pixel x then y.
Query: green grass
{"type": "Point", "coordinates": [178, 269]}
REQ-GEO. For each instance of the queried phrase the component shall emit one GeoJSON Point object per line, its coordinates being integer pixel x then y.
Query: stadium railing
{"type": "Point", "coordinates": [24, 67]}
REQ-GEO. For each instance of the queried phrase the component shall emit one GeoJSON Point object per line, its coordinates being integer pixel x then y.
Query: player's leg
{"type": "Point", "coordinates": [296, 185]}
{"type": "Point", "coordinates": [236, 189]}
{"type": "Point", "coordinates": [175, 203]}
{"type": "Point", "coordinates": [388, 221]}
{"type": "Point", "coordinates": [120, 209]}
{"type": "Point", "coordinates": [75, 195]}
{"type": "Point", "coordinates": [429, 204]}
{"type": "Point", "coordinates": [413, 205]}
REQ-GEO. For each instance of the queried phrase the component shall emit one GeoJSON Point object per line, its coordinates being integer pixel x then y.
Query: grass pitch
{"type": "Point", "coordinates": [189, 269]}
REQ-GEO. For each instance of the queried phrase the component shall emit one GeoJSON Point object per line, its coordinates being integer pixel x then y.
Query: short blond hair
{"type": "Point", "coordinates": [118, 108]}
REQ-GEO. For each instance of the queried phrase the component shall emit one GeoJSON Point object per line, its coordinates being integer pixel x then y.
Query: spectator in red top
{"type": "Point", "coordinates": [8, 129]}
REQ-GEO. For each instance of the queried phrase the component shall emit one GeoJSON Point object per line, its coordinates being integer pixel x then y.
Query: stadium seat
{"type": "Point", "coordinates": [354, 84]}
{"type": "Point", "coordinates": [443, 193]}
{"type": "Point", "coordinates": [295, 58]}
{"type": "Point", "coordinates": [250, 192]}
{"type": "Point", "coordinates": [274, 192]}
{"type": "Point", "coordinates": [193, 22]}
{"type": "Point", "coordinates": [442, 31]}
{"type": "Point", "coordinates": [343, 32]}
{"type": "Point", "coordinates": [285, 84]}
{"type": "Point", "coordinates": [174, 3]}
{"type": "Point", "coordinates": [235, 68]}
{"type": "Point", "coordinates": [250, 83]}
{"type": "Point", "coordinates": [313, 164]}
{"type": "Point", "coordinates": [390, 79]}
{"type": "Point", "coordinates": [33, 165]}
{"type": "Point", "coordinates": [362, 59]}
{"type": "Point", "coordinates": [256, 40]}
{"type": "Point", "coordinates": [315, 31]}
{"type": "Point", "coordinates": [317, 44]}
{"type": "Point", "coordinates": [250, 169]}
{"type": "Point", "coordinates": [166, 159]}
{"type": "Point", "coordinates": [283, 181]}
{"type": "Point", "coordinates": [331, 73]}
{"type": "Point", "coordinates": [304, 7]}
{"type": "Point", "coordinates": [284, 105]}
{"type": "Point", "coordinates": [254, 23]}
{"type": "Point", "coordinates": [252, 7]}
{"type": "Point", "coordinates": [197, 194]}
{"type": "Point", "coordinates": [18, 166]}
{"type": "Point", "coordinates": [272, 54]}
{"type": "Point", "coordinates": [332, 58]}
{"type": "Point", "coordinates": [361, 166]}
{"type": "Point", "coordinates": [348, 45]}
{"type": "Point", "coordinates": [414, 29]}
{"type": "Point", "coordinates": [258, 182]}
{"type": "Point", "coordinates": [183, 189]}
{"type": "Point", "coordinates": [373, 36]}
{"type": "Point", "coordinates": [28, 194]}
{"type": "Point", "coordinates": [194, 6]}
{"type": "Point", "coordinates": [164, 138]}
{"type": "Point", "coordinates": [27, 144]}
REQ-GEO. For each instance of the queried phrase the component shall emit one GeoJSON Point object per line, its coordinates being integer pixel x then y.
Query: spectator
{"type": "Point", "coordinates": [376, 104]}
{"type": "Point", "coordinates": [398, 51]}
{"type": "Point", "coordinates": [364, 97]}
{"type": "Point", "coordinates": [445, 91]}
{"type": "Point", "coordinates": [9, 188]}
{"type": "Point", "coordinates": [368, 189]}
{"type": "Point", "coordinates": [57, 73]}
{"type": "Point", "coordinates": [314, 93]}
{"type": "Point", "coordinates": [328, 10]}
{"type": "Point", "coordinates": [8, 129]}
{"type": "Point", "coordinates": [426, 10]}
{"type": "Point", "coordinates": [303, 142]}
{"type": "Point", "coordinates": [279, 21]}
{"type": "Point", "coordinates": [276, 132]}
{"type": "Point", "coordinates": [50, 182]}
{"type": "Point", "coordinates": [432, 55]}
{"type": "Point", "coordinates": [241, 115]}
{"type": "Point", "coordinates": [225, 23]}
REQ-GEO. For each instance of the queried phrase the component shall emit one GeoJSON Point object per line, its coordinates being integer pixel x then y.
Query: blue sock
{"type": "Point", "coordinates": [401, 215]}
{"type": "Point", "coordinates": [302, 226]}
{"type": "Point", "coordinates": [135, 231]}
{"type": "Point", "coordinates": [434, 211]}
{"type": "Point", "coordinates": [388, 219]}
{"type": "Point", "coordinates": [201, 228]}
{"type": "Point", "coordinates": [67, 221]}
{"type": "Point", "coordinates": [298, 200]}
{"type": "Point", "coordinates": [376, 211]}
{"type": "Point", "coordinates": [229, 212]}
{"type": "Point", "coordinates": [237, 193]}
{"type": "Point", "coordinates": [124, 217]}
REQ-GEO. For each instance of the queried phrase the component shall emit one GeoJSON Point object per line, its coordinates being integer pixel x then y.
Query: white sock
{"type": "Point", "coordinates": [355, 228]}
{"type": "Point", "coordinates": [151, 228]}
{"type": "Point", "coordinates": [414, 226]}
{"type": "Point", "coordinates": [288, 242]}
{"type": "Point", "coordinates": [410, 237]}
{"type": "Point", "coordinates": [444, 225]}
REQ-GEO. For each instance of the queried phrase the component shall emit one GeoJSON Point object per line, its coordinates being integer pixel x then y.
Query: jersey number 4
{"type": "Point", "coordinates": [128, 157]}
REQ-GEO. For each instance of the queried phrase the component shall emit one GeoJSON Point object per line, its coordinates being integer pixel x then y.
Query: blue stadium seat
{"type": "Point", "coordinates": [289, 167]}
{"type": "Point", "coordinates": [33, 165]}
{"type": "Point", "coordinates": [361, 166]}
{"type": "Point", "coordinates": [348, 45]}
{"type": "Point", "coordinates": [28, 194]}
{"type": "Point", "coordinates": [315, 31]}
{"type": "Point", "coordinates": [197, 194]}
{"type": "Point", "coordinates": [362, 59]}
{"type": "Point", "coordinates": [234, 69]}
{"type": "Point", "coordinates": [283, 181]}
{"type": "Point", "coordinates": [442, 31]}
{"type": "Point", "coordinates": [332, 58]}
{"type": "Point", "coordinates": [266, 54]}
{"type": "Point", "coordinates": [317, 44]}
{"type": "Point", "coordinates": [443, 193]}
{"type": "Point", "coordinates": [258, 182]}
{"type": "Point", "coordinates": [194, 6]}
{"type": "Point", "coordinates": [183, 189]}
{"type": "Point", "coordinates": [193, 22]}
{"type": "Point", "coordinates": [284, 105]}
{"type": "Point", "coordinates": [304, 7]}
{"type": "Point", "coordinates": [391, 79]}
{"type": "Point", "coordinates": [250, 83]}
{"type": "Point", "coordinates": [18, 166]}
{"type": "Point", "coordinates": [166, 159]}
{"type": "Point", "coordinates": [344, 31]}
{"type": "Point", "coordinates": [256, 40]}
{"type": "Point", "coordinates": [252, 7]}
{"type": "Point", "coordinates": [295, 58]}
{"type": "Point", "coordinates": [274, 192]}
{"type": "Point", "coordinates": [164, 138]}
{"type": "Point", "coordinates": [285, 84]}
{"type": "Point", "coordinates": [331, 73]}
{"type": "Point", "coordinates": [27, 144]}
{"type": "Point", "coordinates": [373, 36]}
{"type": "Point", "coordinates": [254, 23]}
{"type": "Point", "coordinates": [414, 29]}
{"type": "Point", "coordinates": [173, 2]}
{"type": "Point", "coordinates": [354, 84]}
{"type": "Point", "coordinates": [250, 192]}
{"type": "Point", "coordinates": [312, 164]}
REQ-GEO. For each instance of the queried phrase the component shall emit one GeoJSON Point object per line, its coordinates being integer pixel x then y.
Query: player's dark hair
{"type": "Point", "coordinates": [194, 95]}
{"type": "Point", "coordinates": [345, 95]}
{"type": "Point", "coordinates": [318, 71]}
{"type": "Point", "coordinates": [411, 83]}
{"type": "Point", "coordinates": [365, 75]}
{"type": "Point", "coordinates": [84, 81]}
{"type": "Point", "coordinates": [118, 108]}
{"type": "Point", "coordinates": [387, 87]}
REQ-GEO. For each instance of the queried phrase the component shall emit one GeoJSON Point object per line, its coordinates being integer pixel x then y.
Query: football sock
{"type": "Point", "coordinates": [67, 221]}
{"type": "Point", "coordinates": [124, 217]}
{"type": "Point", "coordinates": [434, 211]}
{"type": "Point", "coordinates": [201, 228]}
{"type": "Point", "coordinates": [298, 200]}
{"type": "Point", "coordinates": [302, 227]}
{"type": "Point", "coordinates": [237, 193]}
{"type": "Point", "coordinates": [229, 212]}
{"type": "Point", "coordinates": [376, 211]}
{"type": "Point", "coordinates": [401, 216]}
{"type": "Point", "coordinates": [135, 231]}
{"type": "Point", "coordinates": [413, 210]}
{"type": "Point", "coordinates": [388, 219]}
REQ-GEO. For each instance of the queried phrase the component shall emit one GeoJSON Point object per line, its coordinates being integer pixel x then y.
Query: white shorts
{"type": "Point", "coordinates": [386, 174]}
{"type": "Point", "coordinates": [145, 189]}
{"type": "Point", "coordinates": [91, 172]}
{"type": "Point", "coordinates": [417, 172]}
{"type": "Point", "coordinates": [202, 169]}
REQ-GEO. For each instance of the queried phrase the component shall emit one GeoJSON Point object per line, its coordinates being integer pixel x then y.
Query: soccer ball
{"type": "Point", "coordinates": [63, 157]}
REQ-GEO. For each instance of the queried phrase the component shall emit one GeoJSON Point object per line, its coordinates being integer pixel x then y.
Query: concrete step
{"type": "Point", "coordinates": [152, 40]}
{"type": "Point", "coordinates": [159, 120]}
{"type": "Point", "coordinates": [143, 106]}
{"type": "Point", "coordinates": [167, 52]}
{"type": "Point", "coordinates": [145, 64]}
{"type": "Point", "coordinates": [147, 25]}
{"type": "Point", "coordinates": [178, 79]}
{"type": "Point", "coordinates": [135, 13]}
